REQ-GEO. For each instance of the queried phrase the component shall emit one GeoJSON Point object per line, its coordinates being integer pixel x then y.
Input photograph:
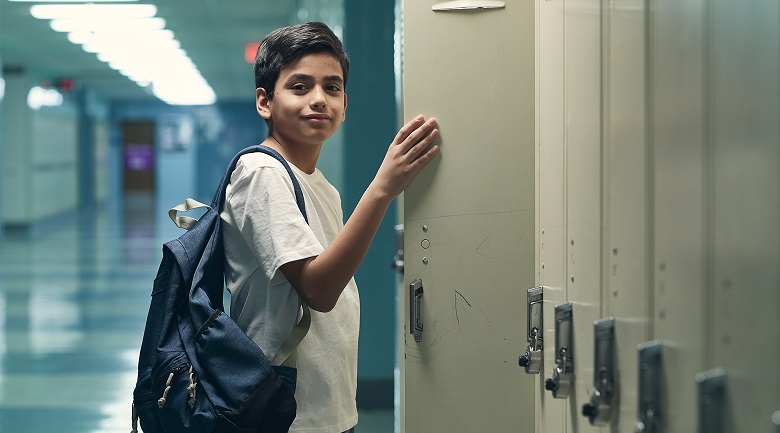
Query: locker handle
{"type": "Point", "coordinates": [600, 408]}
{"type": "Point", "coordinates": [532, 359]}
{"type": "Point", "coordinates": [650, 410]}
{"type": "Point", "coordinates": [467, 5]}
{"type": "Point", "coordinates": [415, 316]}
{"type": "Point", "coordinates": [563, 374]}
{"type": "Point", "coordinates": [712, 400]}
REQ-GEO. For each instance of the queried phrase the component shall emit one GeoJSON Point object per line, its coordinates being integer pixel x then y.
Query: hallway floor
{"type": "Point", "coordinates": [73, 304]}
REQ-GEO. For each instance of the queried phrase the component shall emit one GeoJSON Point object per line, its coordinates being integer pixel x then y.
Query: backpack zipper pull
{"type": "Point", "coordinates": [135, 421]}
{"type": "Point", "coordinates": [191, 389]}
{"type": "Point", "coordinates": [161, 401]}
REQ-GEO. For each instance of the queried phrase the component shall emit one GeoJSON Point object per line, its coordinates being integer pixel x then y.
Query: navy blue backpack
{"type": "Point", "coordinates": [197, 370]}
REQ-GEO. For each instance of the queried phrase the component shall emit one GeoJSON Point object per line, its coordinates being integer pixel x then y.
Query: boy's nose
{"type": "Point", "coordinates": [317, 97]}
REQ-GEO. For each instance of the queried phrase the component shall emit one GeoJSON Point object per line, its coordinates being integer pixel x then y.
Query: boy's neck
{"type": "Point", "coordinates": [304, 157]}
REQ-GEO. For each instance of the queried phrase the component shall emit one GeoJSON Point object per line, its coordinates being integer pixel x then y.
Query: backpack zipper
{"type": "Point", "coordinates": [161, 402]}
{"type": "Point", "coordinates": [177, 370]}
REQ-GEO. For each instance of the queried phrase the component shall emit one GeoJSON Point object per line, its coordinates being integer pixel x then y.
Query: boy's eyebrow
{"type": "Point", "coordinates": [304, 77]}
{"type": "Point", "coordinates": [336, 78]}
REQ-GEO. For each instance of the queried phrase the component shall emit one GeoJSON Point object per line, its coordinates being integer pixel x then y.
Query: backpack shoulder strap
{"type": "Point", "coordinates": [219, 197]}
{"type": "Point", "coordinates": [302, 327]}
{"type": "Point", "coordinates": [186, 222]}
{"type": "Point", "coordinates": [300, 330]}
{"type": "Point", "coordinates": [294, 339]}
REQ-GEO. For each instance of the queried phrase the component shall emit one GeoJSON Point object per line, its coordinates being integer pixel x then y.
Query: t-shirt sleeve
{"type": "Point", "coordinates": [261, 204]}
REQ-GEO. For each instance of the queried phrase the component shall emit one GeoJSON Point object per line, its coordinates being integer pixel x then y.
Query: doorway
{"type": "Point", "coordinates": [138, 160]}
{"type": "Point", "coordinates": [138, 157]}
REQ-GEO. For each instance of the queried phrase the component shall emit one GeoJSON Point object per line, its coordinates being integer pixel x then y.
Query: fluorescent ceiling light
{"type": "Point", "coordinates": [79, 38]}
{"type": "Point", "coordinates": [132, 41]}
{"type": "Point", "coordinates": [50, 12]}
{"type": "Point", "coordinates": [71, 1]}
{"type": "Point", "coordinates": [92, 24]}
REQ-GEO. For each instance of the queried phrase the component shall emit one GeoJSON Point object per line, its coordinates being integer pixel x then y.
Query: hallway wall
{"type": "Point", "coordinates": [39, 155]}
{"type": "Point", "coordinates": [370, 126]}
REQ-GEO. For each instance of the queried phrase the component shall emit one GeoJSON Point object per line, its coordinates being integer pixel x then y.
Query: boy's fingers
{"type": "Point", "coordinates": [409, 128]}
{"type": "Point", "coordinates": [426, 157]}
{"type": "Point", "coordinates": [420, 146]}
{"type": "Point", "coordinates": [420, 134]}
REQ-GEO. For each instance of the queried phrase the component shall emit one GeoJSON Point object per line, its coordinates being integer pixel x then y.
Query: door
{"type": "Point", "coordinates": [138, 156]}
{"type": "Point", "coordinates": [469, 218]}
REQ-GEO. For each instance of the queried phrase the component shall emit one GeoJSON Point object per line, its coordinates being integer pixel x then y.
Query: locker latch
{"type": "Point", "coordinates": [712, 400]}
{"type": "Point", "coordinates": [532, 359]}
{"type": "Point", "coordinates": [599, 409]}
{"type": "Point", "coordinates": [649, 411]}
{"type": "Point", "coordinates": [415, 315]}
{"type": "Point", "coordinates": [563, 375]}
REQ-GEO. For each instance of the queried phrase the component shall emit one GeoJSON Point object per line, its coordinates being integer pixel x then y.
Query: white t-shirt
{"type": "Point", "coordinates": [264, 229]}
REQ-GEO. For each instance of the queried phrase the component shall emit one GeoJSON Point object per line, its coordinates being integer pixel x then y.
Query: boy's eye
{"type": "Point", "coordinates": [299, 87]}
{"type": "Point", "coordinates": [303, 88]}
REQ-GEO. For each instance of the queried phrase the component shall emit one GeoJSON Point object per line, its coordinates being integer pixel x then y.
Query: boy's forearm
{"type": "Point", "coordinates": [321, 279]}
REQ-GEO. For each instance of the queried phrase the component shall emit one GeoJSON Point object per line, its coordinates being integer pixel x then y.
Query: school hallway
{"type": "Point", "coordinates": [73, 304]}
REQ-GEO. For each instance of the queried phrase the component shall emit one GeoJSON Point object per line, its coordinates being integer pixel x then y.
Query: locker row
{"type": "Point", "coordinates": [599, 411]}
{"type": "Point", "coordinates": [624, 156]}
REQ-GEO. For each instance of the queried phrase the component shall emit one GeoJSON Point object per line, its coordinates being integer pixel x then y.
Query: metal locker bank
{"type": "Point", "coordinates": [598, 248]}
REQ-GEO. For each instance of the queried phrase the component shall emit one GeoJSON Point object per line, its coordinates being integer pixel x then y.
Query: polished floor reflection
{"type": "Point", "coordinates": [73, 303]}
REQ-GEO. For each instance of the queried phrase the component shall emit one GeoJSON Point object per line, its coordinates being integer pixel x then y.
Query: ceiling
{"type": "Point", "coordinates": [212, 32]}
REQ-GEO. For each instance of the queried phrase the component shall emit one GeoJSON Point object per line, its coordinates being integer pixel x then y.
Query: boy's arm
{"type": "Point", "coordinates": [320, 280]}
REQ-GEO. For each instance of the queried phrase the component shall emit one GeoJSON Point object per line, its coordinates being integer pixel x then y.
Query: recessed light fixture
{"type": "Point", "coordinates": [39, 97]}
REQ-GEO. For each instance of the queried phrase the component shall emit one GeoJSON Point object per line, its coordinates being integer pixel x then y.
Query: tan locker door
{"type": "Point", "coordinates": [628, 216]}
{"type": "Point", "coordinates": [551, 200]}
{"type": "Point", "coordinates": [584, 187]}
{"type": "Point", "coordinates": [676, 65]}
{"type": "Point", "coordinates": [469, 218]}
{"type": "Point", "coordinates": [743, 214]}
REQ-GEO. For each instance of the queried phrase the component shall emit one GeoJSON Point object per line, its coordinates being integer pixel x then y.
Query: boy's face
{"type": "Point", "coordinates": [308, 103]}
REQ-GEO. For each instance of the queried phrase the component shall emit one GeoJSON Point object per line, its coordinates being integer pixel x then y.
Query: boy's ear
{"type": "Point", "coordinates": [262, 103]}
{"type": "Point", "coordinates": [344, 116]}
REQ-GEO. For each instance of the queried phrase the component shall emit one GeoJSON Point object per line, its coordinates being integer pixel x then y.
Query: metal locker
{"type": "Point", "coordinates": [469, 217]}
{"type": "Point", "coordinates": [551, 413]}
{"type": "Point", "coordinates": [569, 198]}
{"type": "Point", "coordinates": [678, 262]}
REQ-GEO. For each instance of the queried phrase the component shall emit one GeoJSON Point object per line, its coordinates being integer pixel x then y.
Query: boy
{"type": "Point", "coordinates": [274, 259]}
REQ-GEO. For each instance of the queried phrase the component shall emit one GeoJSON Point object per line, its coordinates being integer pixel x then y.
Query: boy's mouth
{"type": "Point", "coordinates": [316, 116]}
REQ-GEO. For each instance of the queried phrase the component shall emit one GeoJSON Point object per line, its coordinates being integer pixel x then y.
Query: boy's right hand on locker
{"type": "Point", "coordinates": [410, 151]}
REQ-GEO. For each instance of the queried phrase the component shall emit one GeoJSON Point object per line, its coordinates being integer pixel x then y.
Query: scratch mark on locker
{"type": "Point", "coordinates": [464, 298]}
{"type": "Point", "coordinates": [477, 250]}
{"type": "Point", "coordinates": [456, 305]}
{"type": "Point", "coordinates": [457, 317]}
